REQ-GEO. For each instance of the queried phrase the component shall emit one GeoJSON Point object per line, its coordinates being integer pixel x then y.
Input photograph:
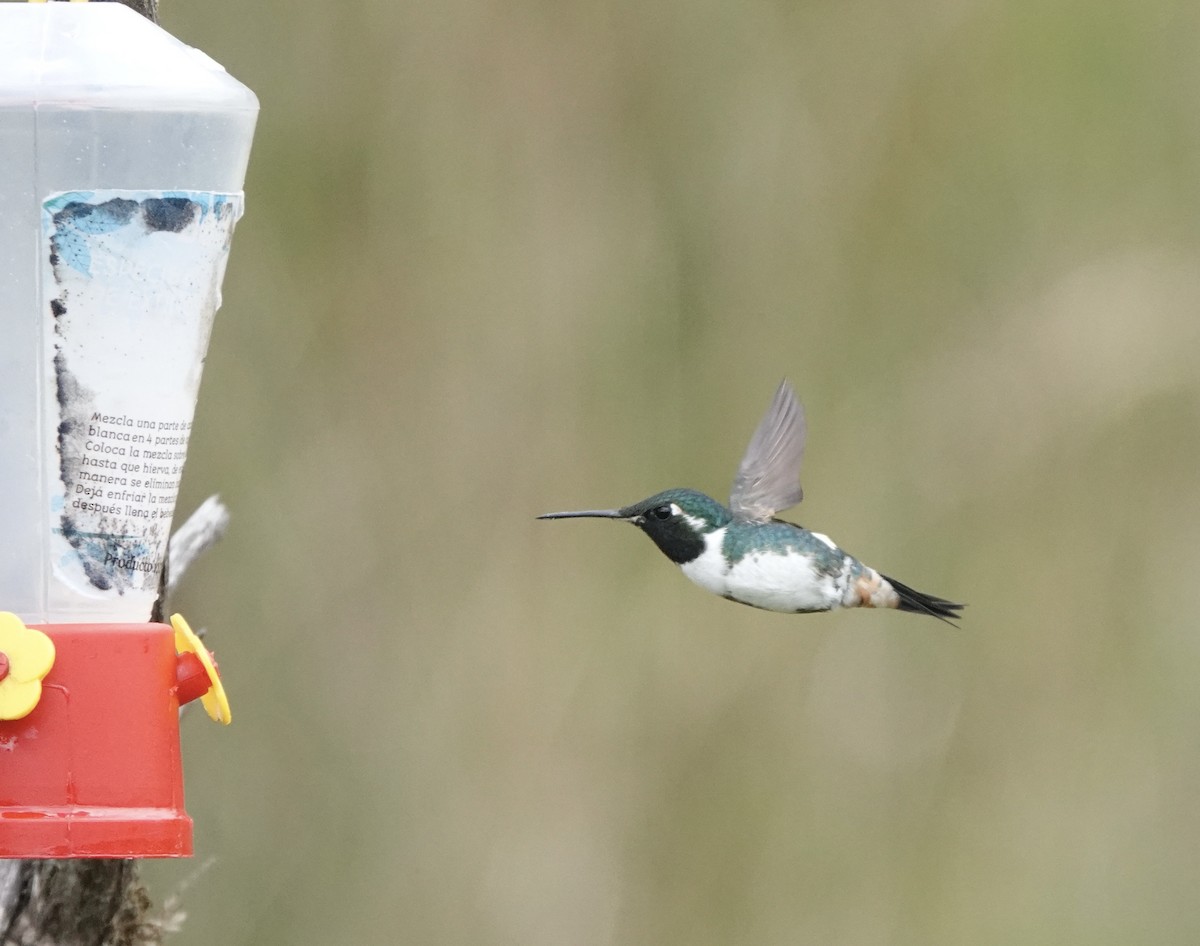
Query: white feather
{"type": "Point", "coordinates": [767, 580]}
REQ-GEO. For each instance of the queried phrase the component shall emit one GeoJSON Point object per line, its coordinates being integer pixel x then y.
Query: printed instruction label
{"type": "Point", "coordinates": [132, 280]}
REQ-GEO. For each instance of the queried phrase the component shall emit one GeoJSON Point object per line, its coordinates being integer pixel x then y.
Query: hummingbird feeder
{"type": "Point", "coordinates": [124, 155]}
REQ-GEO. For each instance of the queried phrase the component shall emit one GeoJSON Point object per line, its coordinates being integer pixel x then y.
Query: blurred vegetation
{"type": "Point", "coordinates": [502, 259]}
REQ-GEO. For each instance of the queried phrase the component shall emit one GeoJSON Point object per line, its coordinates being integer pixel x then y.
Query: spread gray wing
{"type": "Point", "coordinates": [769, 478]}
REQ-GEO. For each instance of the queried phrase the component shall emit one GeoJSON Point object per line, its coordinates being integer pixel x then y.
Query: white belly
{"type": "Point", "coordinates": [773, 582]}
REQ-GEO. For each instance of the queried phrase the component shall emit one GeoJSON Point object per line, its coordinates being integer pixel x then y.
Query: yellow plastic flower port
{"type": "Point", "coordinates": [215, 702]}
{"type": "Point", "coordinates": [26, 656]}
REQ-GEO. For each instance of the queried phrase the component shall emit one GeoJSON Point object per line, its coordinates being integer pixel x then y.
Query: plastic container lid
{"type": "Point", "coordinates": [75, 53]}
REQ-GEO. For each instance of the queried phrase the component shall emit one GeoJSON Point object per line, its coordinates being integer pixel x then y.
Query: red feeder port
{"type": "Point", "coordinates": [94, 769]}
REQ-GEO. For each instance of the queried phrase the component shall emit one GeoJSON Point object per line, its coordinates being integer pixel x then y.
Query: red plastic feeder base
{"type": "Point", "coordinates": [94, 770]}
{"type": "Point", "coordinates": [95, 832]}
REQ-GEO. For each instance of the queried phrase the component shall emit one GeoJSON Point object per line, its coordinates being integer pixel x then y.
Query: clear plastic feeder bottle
{"type": "Point", "coordinates": [122, 158]}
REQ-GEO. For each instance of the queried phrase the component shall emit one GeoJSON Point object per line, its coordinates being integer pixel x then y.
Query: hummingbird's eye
{"type": "Point", "coordinates": [661, 512]}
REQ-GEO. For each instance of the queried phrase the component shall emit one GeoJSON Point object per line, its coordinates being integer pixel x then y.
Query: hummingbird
{"type": "Point", "coordinates": [742, 552]}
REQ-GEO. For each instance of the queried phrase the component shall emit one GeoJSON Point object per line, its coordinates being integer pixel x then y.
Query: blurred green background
{"type": "Point", "coordinates": [507, 258]}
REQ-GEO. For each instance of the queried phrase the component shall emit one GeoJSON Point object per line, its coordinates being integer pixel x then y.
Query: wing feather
{"type": "Point", "coordinates": [768, 479]}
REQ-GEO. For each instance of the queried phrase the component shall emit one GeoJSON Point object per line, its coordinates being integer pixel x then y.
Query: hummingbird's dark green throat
{"type": "Point", "coordinates": [742, 552]}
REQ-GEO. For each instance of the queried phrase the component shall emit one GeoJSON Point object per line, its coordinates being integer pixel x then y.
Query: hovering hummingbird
{"type": "Point", "coordinates": [745, 554]}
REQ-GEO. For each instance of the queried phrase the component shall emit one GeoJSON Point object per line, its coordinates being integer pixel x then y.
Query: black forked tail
{"type": "Point", "coordinates": [921, 603]}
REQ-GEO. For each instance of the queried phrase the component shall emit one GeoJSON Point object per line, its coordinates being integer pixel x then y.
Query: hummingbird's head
{"type": "Point", "coordinates": [676, 519]}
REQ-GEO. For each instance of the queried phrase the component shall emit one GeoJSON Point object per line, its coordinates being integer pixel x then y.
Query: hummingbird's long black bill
{"type": "Point", "coordinates": [585, 514]}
